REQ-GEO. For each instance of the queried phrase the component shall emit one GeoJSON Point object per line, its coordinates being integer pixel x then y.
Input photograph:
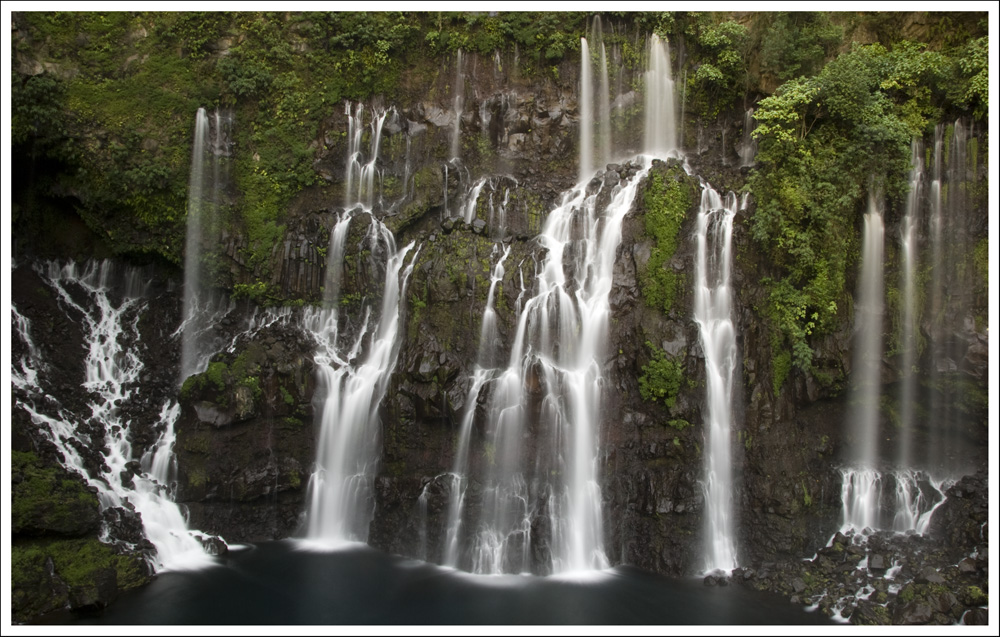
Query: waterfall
{"type": "Point", "coordinates": [861, 509]}
{"type": "Point", "coordinates": [359, 175]}
{"type": "Point", "coordinates": [748, 146]}
{"type": "Point", "coordinates": [908, 336]}
{"type": "Point", "coordinates": [950, 319]}
{"type": "Point", "coordinates": [586, 114]}
{"type": "Point", "coordinates": [661, 118]}
{"type": "Point", "coordinates": [458, 103]}
{"type": "Point", "coordinates": [353, 378]}
{"type": "Point", "coordinates": [112, 366]}
{"type": "Point", "coordinates": [604, 111]}
{"type": "Point", "coordinates": [486, 362]}
{"type": "Point", "coordinates": [202, 309]}
{"type": "Point", "coordinates": [713, 313]}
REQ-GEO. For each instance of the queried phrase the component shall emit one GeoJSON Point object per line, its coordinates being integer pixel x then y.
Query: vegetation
{"type": "Point", "coordinates": [825, 143]}
{"type": "Point", "coordinates": [661, 379]}
{"type": "Point", "coordinates": [667, 199]}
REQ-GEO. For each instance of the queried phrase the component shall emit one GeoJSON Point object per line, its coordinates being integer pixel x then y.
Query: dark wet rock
{"type": "Point", "coordinates": [929, 574]}
{"type": "Point", "coordinates": [976, 617]}
{"type": "Point", "coordinates": [914, 613]}
{"type": "Point", "coordinates": [870, 614]}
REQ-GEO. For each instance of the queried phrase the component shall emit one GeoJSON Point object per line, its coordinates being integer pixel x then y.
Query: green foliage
{"type": "Point", "coordinates": [679, 424]}
{"type": "Point", "coordinates": [667, 199]}
{"type": "Point", "coordinates": [806, 498]}
{"type": "Point", "coordinates": [661, 378]}
{"type": "Point", "coordinates": [721, 77]}
{"type": "Point", "coordinates": [796, 43]}
{"type": "Point", "coordinates": [781, 366]}
{"type": "Point", "coordinates": [974, 65]}
{"type": "Point", "coordinates": [824, 143]}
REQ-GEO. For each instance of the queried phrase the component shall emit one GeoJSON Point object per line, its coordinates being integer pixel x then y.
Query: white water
{"type": "Point", "coordinates": [112, 365]}
{"type": "Point", "coordinates": [353, 377]}
{"type": "Point", "coordinates": [458, 103]}
{"type": "Point", "coordinates": [604, 112]}
{"type": "Point", "coordinates": [202, 309]}
{"type": "Point", "coordinates": [359, 175]}
{"type": "Point", "coordinates": [748, 146]}
{"type": "Point", "coordinates": [661, 116]}
{"type": "Point", "coordinates": [902, 501]}
{"type": "Point", "coordinates": [586, 167]}
{"type": "Point", "coordinates": [489, 348]}
{"type": "Point", "coordinates": [866, 372]}
{"type": "Point", "coordinates": [713, 314]}
{"type": "Point", "coordinates": [909, 248]}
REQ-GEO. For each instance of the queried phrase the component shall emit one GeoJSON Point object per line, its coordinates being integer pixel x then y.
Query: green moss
{"type": "Point", "coordinates": [83, 565]}
{"type": "Point", "coordinates": [661, 378]}
{"type": "Point", "coordinates": [667, 199]}
{"type": "Point", "coordinates": [907, 593]}
{"type": "Point", "coordinates": [781, 365]}
{"type": "Point", "coordinates": [47, 499]}
{"type": "Point", "coordinates": [679, 424]}
{"type": "Point", "coordinates": [287, 396]}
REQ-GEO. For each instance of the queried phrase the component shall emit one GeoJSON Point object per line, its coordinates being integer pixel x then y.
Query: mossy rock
{"type": "Point", "coordinates": [49, 575]}
{"type": "Point", "coordinates": [48, 499]}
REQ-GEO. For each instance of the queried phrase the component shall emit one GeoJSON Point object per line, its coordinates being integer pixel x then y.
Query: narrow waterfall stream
{"type": "Point", "coordinates": [202, 308]}
{"type": "Point", "coordinates": [713, 312]}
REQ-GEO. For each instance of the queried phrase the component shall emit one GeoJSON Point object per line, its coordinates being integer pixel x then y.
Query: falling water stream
{"type": "Point", "coordinates": [714, 315]}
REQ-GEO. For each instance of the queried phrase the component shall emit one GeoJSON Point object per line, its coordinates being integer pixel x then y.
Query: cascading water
{"type": "Point", "coordinates": [359, 175]}
{"type": "Point", "coordinates": [112, 367]}
{"type": "Point", "coordinates": [748, 146]}
{"type": "Point", "coordinates": [486, 363]}
{"type": "Point", "coordinates": [458, 104]}
{"type": "Point", "coordinates": [354, 369]}
{"type": "Point", "coordinates": [353, 377]}
{"type": "Point", "coordinates": [588, 124]}
{"type": "Point", "coordinates": [713, 313]}
{"type": "Point", "coordinates": [661, 117]}
{"type": "Point", "coordinates": [201, 308]}
{"type": "Point", "coordinates": [586, 167]}
{"type": "Point", "coordinates": [910, 251]}
{"type": "Point", "coordinates": [862, 482]}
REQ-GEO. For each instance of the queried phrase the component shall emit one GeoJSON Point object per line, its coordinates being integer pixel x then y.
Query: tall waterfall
{"type": "Point", "coordinates": [201, 309]}
{"type": "Point", "coordinates": [586, 168]}
{"type": "Point", "coordinates": [713, 313]}
{"type": "Point", "coordinates": [553, 387]}
{"type": "Point", "coordinates": [112, 365]}
{"type": "Point", "coordinates": [486, 366]}
{"type": "Point", "coordinates": [862, 483]}
{"type": "Point", "coordinates": [354, 368]}
{"type": "Point", "coordinates": [661, 116]}
{"type": "Point", "coordinates": [457, 105]}
{"type": "Point", "coordinates": [909, 247]}
{"type": "Point", "coordinates": [588, 123]}
{"type": "Point", "coordinates": [354, 373]}
{"type": "Point", "coordinates": [950, 319]}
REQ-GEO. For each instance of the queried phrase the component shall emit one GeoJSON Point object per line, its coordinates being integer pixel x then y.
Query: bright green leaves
{"type": "Point", "coordinates": [722, 76]}
{"type": "Point", "coordinates": [661, 378]}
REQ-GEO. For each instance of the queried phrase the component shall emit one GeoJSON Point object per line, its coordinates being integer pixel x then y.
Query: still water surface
{"type": "Point", "coordinates": [282, 583]}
